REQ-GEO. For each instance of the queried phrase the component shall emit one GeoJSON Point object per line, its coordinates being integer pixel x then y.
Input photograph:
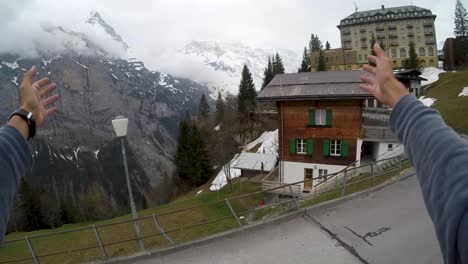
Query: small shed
{"type": "Point", "coordinates": [252, 164]}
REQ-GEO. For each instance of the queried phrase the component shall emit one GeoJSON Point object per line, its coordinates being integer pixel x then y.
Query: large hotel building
{"type": "Point", "coordinates": [395, 27]}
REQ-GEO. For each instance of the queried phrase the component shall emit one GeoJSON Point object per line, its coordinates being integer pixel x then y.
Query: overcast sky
{"type": "Point", "coordinates": [153, 26]}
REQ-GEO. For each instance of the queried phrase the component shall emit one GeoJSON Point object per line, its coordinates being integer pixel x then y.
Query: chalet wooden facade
{"type": "Point", "coordinates": [322, 126]}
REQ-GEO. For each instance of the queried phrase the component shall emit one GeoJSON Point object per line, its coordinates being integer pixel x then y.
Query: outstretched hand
{"type": "Point", "coordinates": [381, 82]}
{"type": "Point", "coordinates": [34, 96]}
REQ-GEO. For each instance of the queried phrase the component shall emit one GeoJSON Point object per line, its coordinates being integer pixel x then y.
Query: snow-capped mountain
{"type": "Point", "coordinates": [96, 19]}
{"type": "Point", "coordinates": [225, 61]}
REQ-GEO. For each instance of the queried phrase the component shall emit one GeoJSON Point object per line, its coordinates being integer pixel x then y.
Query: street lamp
{"type": "Point", "coordinates": [120, 125]}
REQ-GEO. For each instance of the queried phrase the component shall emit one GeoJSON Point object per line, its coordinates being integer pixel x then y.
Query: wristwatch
{"type": "Point", "coordinates": [29, 118]}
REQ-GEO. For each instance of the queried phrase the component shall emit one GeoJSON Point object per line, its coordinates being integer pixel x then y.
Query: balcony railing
{"type": "Point", "coordinates": [410, 33]}
{"type": "Point", "coordinates": [393, 44]}
{"type": "Point", "coordinates": [380, 133]}
{"type": "Point", "coordinates": [346, 32]}
{"type": "Point", "coordinates": [409, 26]}
{"type": "Point", "coordinates": [428, 23]}
{"type": "Point", "coordinates": [428, 33]}
{"type": "Point", "coordinates": [393, 35]}
{"type": "Point", "coordinates": [380, 28]}
{"type": "Point", "coordinates": [392, 26]}
{"type": "Point", "coordinates": [430, 41]}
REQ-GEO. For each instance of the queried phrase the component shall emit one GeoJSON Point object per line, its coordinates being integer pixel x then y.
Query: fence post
{"type": "Point", "coordinates": [399, 165]}
{"type": "Point", "coordinates": [233, 213]}
{"type": "Point", "coordinates": [31, 249]}
{"type": "Point", "coordinates": [293, 196]}
{"type": "Point", "coordinates": [98, 238]}
{"type": "Point", "coordinates": [343, 191]}
{"type": "Point", "coordinates": [161, 229]}
{"type": "Point", "coordinates": [372, 173]}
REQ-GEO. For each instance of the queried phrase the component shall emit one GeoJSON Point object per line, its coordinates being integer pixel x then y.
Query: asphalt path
{"type": "Point", "coordinates": [390, 225]}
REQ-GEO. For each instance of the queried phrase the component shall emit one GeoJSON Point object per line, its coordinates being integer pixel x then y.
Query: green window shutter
{"type": "Point", "coordinates": [326, 147]}
{"type": "Point", "coordinates": [292, 146]}
{"type": "Point", "coordinates": [310, 147]}
{"type": "Point", "coordinates": [344, 148]}
{"type": "Point", "coordinates": [311, 117]}
{"type": "Point", "coordinates": [329, 117]}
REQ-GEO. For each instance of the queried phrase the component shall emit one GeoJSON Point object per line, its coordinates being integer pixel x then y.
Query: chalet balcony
{"type": "Point", "coordinates": [376, 125]}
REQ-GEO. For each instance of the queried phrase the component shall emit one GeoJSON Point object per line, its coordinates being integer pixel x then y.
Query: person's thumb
{"type": "Point", "coordinates": [28, 76]}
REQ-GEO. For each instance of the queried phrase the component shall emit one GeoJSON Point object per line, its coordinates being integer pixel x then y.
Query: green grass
{"type": "Point", "coordinates": [123, 231]}
{"type": "Point", "coordinates": [452, 107]}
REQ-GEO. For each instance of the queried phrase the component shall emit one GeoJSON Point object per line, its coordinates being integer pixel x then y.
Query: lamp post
{"type": "Point", "coordinates": [120, 125]}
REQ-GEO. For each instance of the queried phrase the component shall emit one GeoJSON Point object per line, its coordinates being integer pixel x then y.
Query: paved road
{"type": "Point", "coordinates": [388, 226]}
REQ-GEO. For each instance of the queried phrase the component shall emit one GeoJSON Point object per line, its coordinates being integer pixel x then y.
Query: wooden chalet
{"type": "Point", "coordinates": [326, 124]}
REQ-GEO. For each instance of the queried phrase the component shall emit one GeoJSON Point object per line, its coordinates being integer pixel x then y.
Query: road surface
{"type": "Point", "coordinates": [390, 225]}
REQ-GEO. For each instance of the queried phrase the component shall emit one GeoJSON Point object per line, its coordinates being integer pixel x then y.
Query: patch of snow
{"type": "Point", "coordinates": [221, 180]}
{"type": "Point", "coordinates": [268, 141]}
{"type": "Point", "coordinates": [269, 145]}
{"type": "Point", "coordinates": [96, 153]}
{"type": "Point", "coordinates": [427, 101]}
{"type": "Point", "coordinates": [12, 66]}
{"type": "Point", "coordinates": [464, 92]}
{"type": "Point", "coordinates": [45, 62]}
{"type": "Point", "coordinates": [83, 66]}
{"type": "Point", "coordinates": [76, 152]}
{"type": "Point", "coordinates": [241, 217]}
{"type": "Point", "coordinates": [218, 127]}
{"type": "Point", "coordinates": [162, 79]}
{"type": "Point", "coordinates": [15, 80]}
{"type": "Point", "coordinates": [431, 74]}
{"type": "Point", "coordinates": [115, 77]}
{"type": "Point", "coordinates": [48, 73]}
{"type": "Point", "coordinates": [200, 191]}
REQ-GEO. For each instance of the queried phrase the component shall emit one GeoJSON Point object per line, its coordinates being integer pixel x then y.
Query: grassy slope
{"type": "Point", "coordinates": [116, 233]}
{"type": "Point", "coordinates": [453, 108]}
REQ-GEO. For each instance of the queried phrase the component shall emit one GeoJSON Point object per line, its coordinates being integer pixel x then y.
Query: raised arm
{"type": "Point", "coordinates": [438, 154]}
{"type": "Point", "coordinates": [15, 155]}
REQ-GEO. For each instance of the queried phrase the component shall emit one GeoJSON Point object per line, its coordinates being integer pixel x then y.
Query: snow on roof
{"type": "Point", "coordinates": [268, 145]}
{"type": "Point", "coordinates": [254, 161]}
{"type": "Point", "coordinates": [427, 101]}
{"type": "Point", "coordinates": [464, 92]}
{"type": "Point", "coordinates": [431, 74]}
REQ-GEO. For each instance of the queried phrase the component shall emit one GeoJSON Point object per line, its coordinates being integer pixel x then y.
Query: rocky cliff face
{"type": "Point", "coordinates": [76, 156]}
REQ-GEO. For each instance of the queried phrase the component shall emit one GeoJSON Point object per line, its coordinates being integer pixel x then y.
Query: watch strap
{"type": "Point", "coordinates": [29, 118]}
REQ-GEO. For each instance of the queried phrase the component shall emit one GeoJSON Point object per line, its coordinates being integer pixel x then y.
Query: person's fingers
{"type": "Point", "coordinates": [41, 82]}
{"type": "Point", "coordinates": [378, 50]}
{"type": "Point", "coordinates": [369, 69]}
{"type": "Point", "coordinates": [52, 110]}
{"type": "Point", "coordinates": [49, 100]}
{"type": "Point", "coordinates": [368, 88]}
{"type": "Point", "coordinates": [47, 89]}
{"type": "Point", "coordinates": [372, 59]}
{"type": "Point", "coordinates": [368, 79]}
{"type": "Point", "coordinates": [28, 77]}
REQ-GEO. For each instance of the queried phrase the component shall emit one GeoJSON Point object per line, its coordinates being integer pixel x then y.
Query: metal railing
{"type": "Point", "coordinates": [161, 231]}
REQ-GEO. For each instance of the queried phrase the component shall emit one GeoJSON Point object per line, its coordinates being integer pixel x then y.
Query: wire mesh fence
{"type": "Point", "coordinates": [169, 228]}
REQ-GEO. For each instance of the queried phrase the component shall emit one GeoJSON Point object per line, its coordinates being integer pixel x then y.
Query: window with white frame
{"type": "Point", "coordinates": [335, 148]}
{"type": "Point", "coordinates": [320, 117]}
{"type": "Point", "coordinates": [301, 146]}
{"type": "Point", "coordinates": [323, 173]}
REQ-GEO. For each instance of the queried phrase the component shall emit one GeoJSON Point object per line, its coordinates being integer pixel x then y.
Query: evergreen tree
{"type": "Point", "coordinates": [327, 45]}
{"type": "Point", "coordinates": [30, 203]}
{"type": "Point", "coordinates": [192, 161]}
{"type": "Point", "coordinates": [268, 74]}
{"type": "Point", "coordinates": [372, 44]}
{"type": "Point", "coordinates": [315, 44]}
{"type": "Point", "coordinates": [219, 109]}
{"type": "Point", "coordinates": [203, 107]}
{"type": "Point", "coordinates": [461, 20]}
{"type": "Point", "coordinates": [413, 61]}
{"type": "Point", "coordinates": [305, 64]}
{"type": "Point", "coordinates": [247, 93]}
{"type": "Point", "coordinates": [321, 65]}
{"type": "Point", "coordinates": [278, 67]}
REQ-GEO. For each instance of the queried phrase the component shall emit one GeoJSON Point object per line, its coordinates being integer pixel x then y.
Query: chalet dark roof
{"type": "Point", "coordinates": [411, 74]}
{"type": "Point", "coordinates": [314, 85]}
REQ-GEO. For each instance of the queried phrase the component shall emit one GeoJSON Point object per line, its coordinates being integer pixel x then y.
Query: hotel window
{"type": "Point", "coordinates": [403, 53]}
{"type": "Point", "coordinates": [422, 52]}
{"type": "Point", "coordinates": [394, 53]}
{"type": "Point", "coordinates": [323, 173]}
{"type": "Point", "coordinates": [431, 51]}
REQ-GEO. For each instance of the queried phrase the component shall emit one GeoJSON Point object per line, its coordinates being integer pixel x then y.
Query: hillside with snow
{"type": "Point", "coordinates": [222, 63]}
